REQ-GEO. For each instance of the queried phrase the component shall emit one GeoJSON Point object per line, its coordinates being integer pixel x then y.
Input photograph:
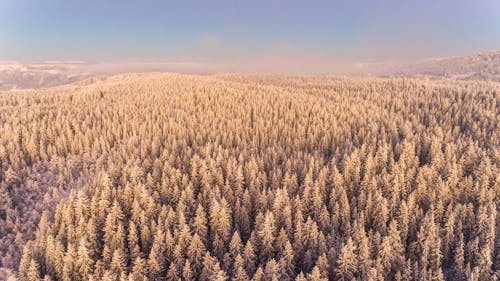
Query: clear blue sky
{"type": "Point", "coordinates": [236, 31]}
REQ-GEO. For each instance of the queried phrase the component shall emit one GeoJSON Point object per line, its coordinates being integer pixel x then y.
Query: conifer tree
{"type": "Point", "coordinates": [347, 261]}
{"type": "Point", "coordinates": [267, 236]}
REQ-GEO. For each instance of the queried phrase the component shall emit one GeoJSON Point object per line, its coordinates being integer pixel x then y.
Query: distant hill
{"type": "Point", "coordinates": [23, 75]}
{"type": "Point", "coordinates": [481, 66]}
{"type": "Point", "coordinates": [16, 75]}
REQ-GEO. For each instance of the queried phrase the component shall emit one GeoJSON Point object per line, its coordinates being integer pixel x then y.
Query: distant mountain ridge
{"type": "Point", "coordinates": [17, 75]}
{"type": "Point", "coordinates": [481, 66]}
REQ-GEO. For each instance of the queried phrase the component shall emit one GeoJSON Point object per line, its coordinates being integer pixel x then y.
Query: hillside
{"type": "Point", "coordinates": [16, 75]}
{"type": "Point", "coordinates": [232, 177]}
{"type": "Point", "coordinates": [481, 66]}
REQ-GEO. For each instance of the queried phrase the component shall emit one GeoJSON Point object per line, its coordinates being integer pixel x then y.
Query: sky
{"type": "Point", "coordinates": [247, 35]}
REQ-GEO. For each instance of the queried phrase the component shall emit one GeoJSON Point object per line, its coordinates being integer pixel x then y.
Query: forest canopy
{"type": "Point", "coordinates": [239, 177]}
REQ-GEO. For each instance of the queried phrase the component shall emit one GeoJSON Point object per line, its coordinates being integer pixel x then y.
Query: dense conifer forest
{"type": "Point", "coordinates": [232, 177]}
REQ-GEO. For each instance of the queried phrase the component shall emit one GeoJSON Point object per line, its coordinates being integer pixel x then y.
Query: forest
{"type": "Point", "coordinates": [163, 176]}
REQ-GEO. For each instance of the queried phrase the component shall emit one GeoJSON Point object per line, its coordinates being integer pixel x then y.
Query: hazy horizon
{"type": "Point", "coordinates": [296, 36]}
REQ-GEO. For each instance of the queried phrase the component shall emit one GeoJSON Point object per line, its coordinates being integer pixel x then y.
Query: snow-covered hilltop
{"type": "Point", "coordinates": [17, 75]}
{"type": "Point", "coordinates": [481, 66]}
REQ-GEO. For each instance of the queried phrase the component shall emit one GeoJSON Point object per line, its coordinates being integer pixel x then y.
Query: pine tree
{"type": "Point", "coordinates": [187, 273]}
{"type": "Point", "coordinates": [117, 266]}
{"type": "Point", "coordinates": [347, 261]}
{"type": "Point", "coordinates": [70, 259]}
{"type": "Point", "coordinates": [258, 275]}
{"type": "Point", "coordinates": [249, 258]}
{"type": "Point", "coordinates": [195, 253]}
{"type": "Point", "coordinates": [235, 246]}
{"type": "Point", "coordinates": [485, 264]}
{"type": "Point", "coordinates": [209, 264]}
{"type": "Point", "coordinates": [385, 256]}
{"type": "Point", "coordinates": [286, 263]}
{"type": "Point", "coordinates": [156, 259]}
{"type": "Point", "coordinates": [33, 273]}
{"type": "Point", "coordinates": [84, 262]}
{"type": "Point", "coordinates": [459, 259]}
{"type": "Point", "coordinates": [200, 224]}
{"type": "Point", "coordinates": [133, 242]}
{"type": "Point", "coordinates": [266, 235]}
{"type": "Point", "coordinates": [239, 273]}
{"type": "Point", "coordinates": [271, 271]}
{"type": "Point", "coordinates": [172, 273]}
{"type": "Point", "coordinates": [363, 253]}
{"type": "Point", "coordinates": [139, 270]}
{"type": "Point", "coordinates": [220, 219]}
{"type": "Point", "coordinates": [301, 277]}
{"type": "Point", "coordinates": [315, 275]}
{"type": "Point", "coordinates": [25, 263]}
